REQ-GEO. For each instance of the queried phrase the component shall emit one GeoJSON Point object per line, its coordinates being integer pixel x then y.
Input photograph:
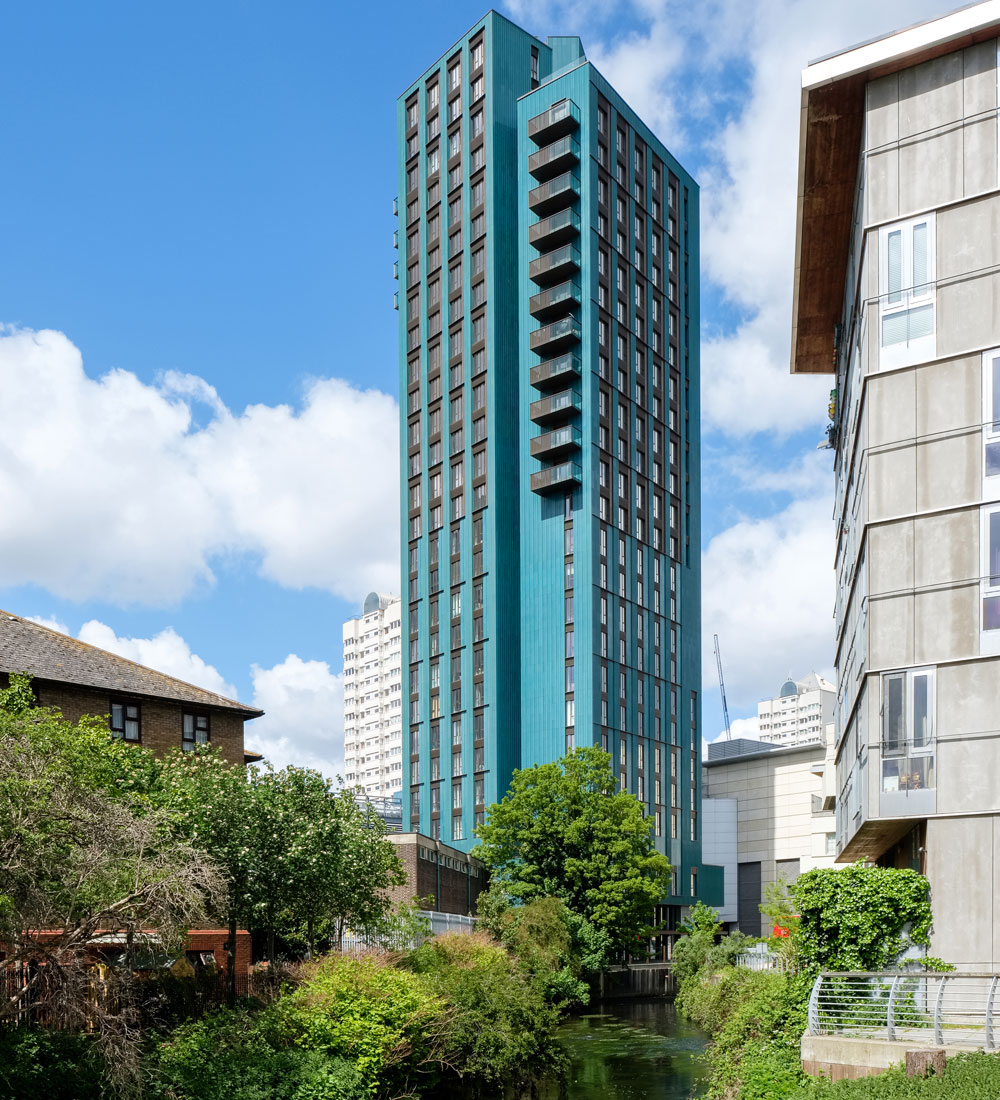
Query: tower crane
{"type": "Point", "coordinates": [722, 686]}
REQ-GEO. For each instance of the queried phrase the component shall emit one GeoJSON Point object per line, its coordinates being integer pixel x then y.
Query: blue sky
{"type": "Point", "coordinates": [198, 364]}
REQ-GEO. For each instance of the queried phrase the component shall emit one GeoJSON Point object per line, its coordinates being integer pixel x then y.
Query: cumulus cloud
{"type": "Point", "coordinates": [52, 624]}
{"type": "Point", "coordinates": [117, 493]}
{"type": "Point", "coordinates": [768, 593]}
{"type": "Point", "coordinates": [304, 715]}
{"type": "Point", "coordinates": [166, 652]}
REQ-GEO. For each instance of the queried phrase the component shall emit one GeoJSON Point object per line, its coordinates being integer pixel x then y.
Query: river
{"type": "Point", "coordinates": [638, 1050]}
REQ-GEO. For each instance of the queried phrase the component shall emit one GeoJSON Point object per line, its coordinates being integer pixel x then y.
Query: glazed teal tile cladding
{"type": "Point", "coordinates": [524, 545]}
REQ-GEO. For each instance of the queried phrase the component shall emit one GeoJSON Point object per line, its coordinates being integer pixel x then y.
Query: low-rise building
{"type": "Point", "coordinates": [141, 705]}
{"type": "Point", "coordinates": [448, 876]}
{"type": "Point", "coordinates": [767, 814]}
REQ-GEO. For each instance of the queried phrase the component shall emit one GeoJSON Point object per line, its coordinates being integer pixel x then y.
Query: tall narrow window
{"type": "Point", "coordinates": [991, 423]}
{"type": "Point", "coordinates": [990, 580]}
{"type": "Point", "coordinates": [194, 730]}
{"type": "Point", "coordinates": [907, 292]}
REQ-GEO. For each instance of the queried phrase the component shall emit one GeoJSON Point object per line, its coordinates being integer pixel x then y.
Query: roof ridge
{"type": "Point", "coordinates": [128, 660]}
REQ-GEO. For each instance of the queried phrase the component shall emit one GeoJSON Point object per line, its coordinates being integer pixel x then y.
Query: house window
{"type": "Point", "coordinates": [194, 730]}
{"type": "Point", "coordinates": [990, 579]}
{"type": "Point", "coordinates": [125, 721]}
{"type": "Point", "coordinates": [908, 710]}
{"type": "Point", "coordinates": [907, 292]}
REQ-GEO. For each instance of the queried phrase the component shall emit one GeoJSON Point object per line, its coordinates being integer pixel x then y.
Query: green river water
{"type": "Point", "coordinates": [631, 1051]}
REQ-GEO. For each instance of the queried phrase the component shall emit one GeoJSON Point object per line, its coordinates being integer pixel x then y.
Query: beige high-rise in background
{"type": "Point", "coordinates": [373, 746]}
{"type": "Point", "coordinates": [897, 299]}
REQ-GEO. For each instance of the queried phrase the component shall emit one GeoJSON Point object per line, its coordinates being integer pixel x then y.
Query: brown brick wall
{"type": "Point", "coordinates": [160, 721]}
{"type": "Point", "coordinates": [458, 891]}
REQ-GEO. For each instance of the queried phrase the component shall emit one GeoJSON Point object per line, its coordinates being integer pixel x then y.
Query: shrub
{"type": "Point", "coordinates": [56, 1065]}
{"type": "Point", "coordinates": [498, 1025]}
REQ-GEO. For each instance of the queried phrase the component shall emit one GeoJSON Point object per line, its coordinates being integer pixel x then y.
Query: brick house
{"type": "Point", "coordinates": [141, 705]}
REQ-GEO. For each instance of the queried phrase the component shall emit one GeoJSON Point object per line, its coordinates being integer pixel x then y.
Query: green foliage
{"type": "Point", "coordinates": [498, 1027]}
{"type": "Point", "coordinates": [18, 697]}
{"type": "Point", "coordinates": [560, 949]}
{"type": "Point", "coordinates": [701, 918]}
{"type": "Point", "coordinates": [757, 1019]}
{"type": "Point", "coordinates": [234, 1055]}
{"type": "Point", "coordinates": [970, 1076]}
{"type": "Point", "coordinates": [56, 1065]}
{"type": "Point", "coordinates": [691, 954]}
{"type": "Point", "coordinates": [565, 830]}
{"type": "Point", "coordinates": [859, 918]}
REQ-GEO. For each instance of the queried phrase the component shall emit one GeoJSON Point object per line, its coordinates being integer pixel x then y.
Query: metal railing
{"type": "Point", "coordinates": [908, 1006]}
{"type": "Point", "coordinates": [356, 943]}
{"type": "Point", "coordinates": [764, 960]}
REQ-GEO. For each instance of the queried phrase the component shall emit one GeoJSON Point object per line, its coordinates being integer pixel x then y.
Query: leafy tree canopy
{"type": "Point", "coordinates": [565, 830]}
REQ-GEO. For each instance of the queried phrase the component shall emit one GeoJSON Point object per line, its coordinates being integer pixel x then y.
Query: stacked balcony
{"type": "Point", "coordinates": [556, 304]}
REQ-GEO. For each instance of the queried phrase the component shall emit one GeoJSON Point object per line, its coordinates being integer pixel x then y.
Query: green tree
{"type": "Point", "coordinates": [83, 858]}
{"type": "Point", "coordinates": [565, 830]}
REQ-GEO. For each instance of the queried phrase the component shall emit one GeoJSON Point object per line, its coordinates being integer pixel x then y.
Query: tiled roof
{"type": "Point", "coordinates": [48, 655]}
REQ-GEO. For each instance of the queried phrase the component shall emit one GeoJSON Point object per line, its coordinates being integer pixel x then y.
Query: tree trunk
{"type": "Point", "coordinates": [231, 962]}
{"type": "Point", "coordinates": [270, 945]}
{"type": "Point", "coordinates": [310, 937]}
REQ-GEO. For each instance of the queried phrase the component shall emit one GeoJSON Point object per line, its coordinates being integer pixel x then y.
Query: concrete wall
{"type": "Point", "coordinates": [774, 794]}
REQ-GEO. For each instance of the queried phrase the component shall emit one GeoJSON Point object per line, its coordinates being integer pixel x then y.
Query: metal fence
{"type": "Point", "coordinates": [764, 960]}
{"type": "Point", "coordinates": [908, 1006]}
{"type": "Point", "coordinates": [355, 943]}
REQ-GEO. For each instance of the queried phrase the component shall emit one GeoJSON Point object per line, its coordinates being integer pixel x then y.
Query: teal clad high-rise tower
{"type": "Point", "coordinates": [549, 405]}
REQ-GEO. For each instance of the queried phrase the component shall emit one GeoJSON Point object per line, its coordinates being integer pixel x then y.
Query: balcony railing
{"type": "Point", "coordinates": [554, 158]}
{"type": "Point", "coordinates": [556, 477]}
{"type": "Point", "coordinates": [556, 301]}
{"type": "Point", "coordinates": [557, 407]}
{"type": "Point", "coordinates": [556, 443]}
{"type": "Point", "coordinates": [561, 118]}
{"type": "Point", "coordinates": [554, 194]}
{"type": "Point", "coordinates": [555, 337]}
{"type": "Point", "coordinates": [555, 372]}
{"type": "Point", "coordinates": [554, 265]}
{"type": "Point", "coordinates": [555, 230]}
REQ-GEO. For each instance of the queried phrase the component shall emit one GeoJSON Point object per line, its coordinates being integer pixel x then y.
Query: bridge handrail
{"type": "Point", "coordinates": [956, 1009]}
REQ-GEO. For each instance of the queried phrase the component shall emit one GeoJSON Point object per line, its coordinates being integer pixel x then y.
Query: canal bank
{"type": "Point", "coordinates": [634, 1050]}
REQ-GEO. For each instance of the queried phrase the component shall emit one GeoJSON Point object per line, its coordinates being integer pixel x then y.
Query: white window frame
{"type": "Point", "coordinates": [991, 424]}
{"type": "Point", "coordinates": [989, 583]}
{"type": "Point", "coordinates": [908, 298]}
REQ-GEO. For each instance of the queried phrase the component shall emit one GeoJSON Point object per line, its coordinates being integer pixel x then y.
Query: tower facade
{"type": "Point", "coordinates": [373, 709]}
{"type": "Point", "coordinates": [549, 360]}
{"type": "Point", "coordinates": [896, 284]}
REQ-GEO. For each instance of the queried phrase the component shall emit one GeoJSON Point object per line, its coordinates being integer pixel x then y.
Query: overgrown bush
{"type": "Point", "coordinates": [56, 1065]}
{"type": "Point", "coordinates": [498, 1026]}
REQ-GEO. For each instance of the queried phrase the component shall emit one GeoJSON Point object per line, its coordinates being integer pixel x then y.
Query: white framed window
{"type": "Point", "coordinates": [989, 580]}
{"type": "Point", "coordinates": [908, 710]}
{"type": "Point", "coordinates": [991, 424]}
{"type": "Point", "coordinates": [907, 290]}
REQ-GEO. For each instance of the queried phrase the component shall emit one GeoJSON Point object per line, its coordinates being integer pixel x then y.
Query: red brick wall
{"type": "Point", "coordinates": [160, 721]}
{"type": "Point", "coordinates": [214, 939]}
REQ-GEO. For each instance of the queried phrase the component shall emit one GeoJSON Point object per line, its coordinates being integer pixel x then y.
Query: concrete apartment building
{"type": "Point", "coordinates": [373, 698]}
{"type": "Point", "coordinates": [549, 380]}
{"type": "Point", "coordinates": [800, 713]}
{"type": "Point", "coordinates": [142, 706]}
{"type": "Point", "coordinates": [767, 814]}
{"type": "Point", "coordinates": [897, 298]}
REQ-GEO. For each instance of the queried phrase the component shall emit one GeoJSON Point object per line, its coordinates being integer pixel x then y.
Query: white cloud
{"type": "Point", "coordinates": [304, 719]}
{"type": "Point", "coordinates": [768, 594]}
{"type": "Point", "coordinates": [52, 624]}
{"type": "Point", "coordinates": [166, 652]}
{"type": "Point", "coordinates": [115, 492]}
